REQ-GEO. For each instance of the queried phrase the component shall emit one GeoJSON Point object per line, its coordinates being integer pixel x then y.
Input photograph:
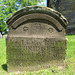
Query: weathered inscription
{"type": "Point", "coordinates": [45, 47]}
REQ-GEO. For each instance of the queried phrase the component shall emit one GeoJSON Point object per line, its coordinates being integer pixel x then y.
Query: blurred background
{"type": "Point", "coordinates": [8, 7]}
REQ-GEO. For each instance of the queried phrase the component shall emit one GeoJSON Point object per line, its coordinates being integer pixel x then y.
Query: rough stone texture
{"type": "Point", "coordinates": [36, 39]}
{"type": "Point", "coordinates": [67, 8]}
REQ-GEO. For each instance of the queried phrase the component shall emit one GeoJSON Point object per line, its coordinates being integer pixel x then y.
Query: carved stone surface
{"type": "Point", "coordinates": [36, 39]}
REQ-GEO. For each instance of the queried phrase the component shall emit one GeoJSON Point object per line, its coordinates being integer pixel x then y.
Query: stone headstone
{"type": "Point", "coordinates": [36, 39]}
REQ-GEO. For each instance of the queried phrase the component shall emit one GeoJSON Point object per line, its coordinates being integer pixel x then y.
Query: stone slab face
{"type": "Point", "coordinates": [36, 39]}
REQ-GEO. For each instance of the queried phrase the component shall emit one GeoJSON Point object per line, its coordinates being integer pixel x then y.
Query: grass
{"type": "Point", "coordinates": [70, 60]}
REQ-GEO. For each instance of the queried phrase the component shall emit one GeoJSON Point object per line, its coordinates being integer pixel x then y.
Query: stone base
{"type": "Point", "coordinates": [44, 65]}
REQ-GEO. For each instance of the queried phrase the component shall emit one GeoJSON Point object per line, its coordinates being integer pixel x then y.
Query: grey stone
{"type": "Point", "coordinates": [36, 39]}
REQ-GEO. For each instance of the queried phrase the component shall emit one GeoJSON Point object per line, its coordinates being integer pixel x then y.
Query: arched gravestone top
{"type": "Point", "coordinates": [38, 15]}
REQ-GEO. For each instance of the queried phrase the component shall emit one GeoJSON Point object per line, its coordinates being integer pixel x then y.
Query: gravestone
{"type": "Point", "coordinates": [36, 39]}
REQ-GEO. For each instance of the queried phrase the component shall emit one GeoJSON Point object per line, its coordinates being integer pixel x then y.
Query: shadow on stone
{"type": "Point", "coordinates": [4, 66]}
